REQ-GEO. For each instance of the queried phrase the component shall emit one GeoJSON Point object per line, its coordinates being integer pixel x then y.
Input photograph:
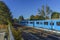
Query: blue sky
{"type": "Point", "coordinates": [27, 8]}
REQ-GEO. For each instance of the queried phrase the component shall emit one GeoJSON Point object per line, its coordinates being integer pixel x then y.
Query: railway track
{"type": "Point", "coordinates": [32, 36]}
{"type": "Point", "coordinates": [29, 36]}
{"type": "Point", "coordinates": [48, 37]}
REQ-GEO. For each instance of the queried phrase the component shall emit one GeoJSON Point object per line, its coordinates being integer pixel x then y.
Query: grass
{"type": "Point", "coordinates": [17, 34]}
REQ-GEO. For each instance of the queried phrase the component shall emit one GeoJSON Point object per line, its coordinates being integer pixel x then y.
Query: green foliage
{"type": "Point", "coordinates": [21, 18]}
{"type": "Point", "coordinates": [32, 17]}
{"type": "Point", "coordinates": [45, 11]}
{"type": "Point", "coordinates": [15, 20]}
{"type": "Point", "coordinates": [55, 15]}
{"type": "Point", "coordinates": [5, 14]}
{"type": "Point", "coordinates": [48, 12]}
{"type": "Point", "coordinates": [16, 34]}
{"type": "Point", "coordinates": [42, 18]}
{"type": "Point", "coordinates": [45, 14]}
{"type": "Point", "coordinates": [46, 17]}
{"type": "Point", "coordinates": [41, 12]}
{"type": "Point", "coordinates": [37, 17]}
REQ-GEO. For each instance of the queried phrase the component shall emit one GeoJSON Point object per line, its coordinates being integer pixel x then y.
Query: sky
{"type": "Point", "coordinates": [26, 8]}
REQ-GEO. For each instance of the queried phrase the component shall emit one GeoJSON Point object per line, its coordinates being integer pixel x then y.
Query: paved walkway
{"type": "Point", "coordinates": [10, 33]}
{"type": "Point", "coordinates": [2, 35]}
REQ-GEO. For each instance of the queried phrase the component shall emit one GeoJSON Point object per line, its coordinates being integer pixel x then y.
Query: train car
{"type": "Point", "coordinates": [56, 25]}
{"type": "Point", "coordinates": [47, 24]}
{"type": "Point", "coordinates": [30, 23]}
{"type": "Point", "coordinates": [24, 22]}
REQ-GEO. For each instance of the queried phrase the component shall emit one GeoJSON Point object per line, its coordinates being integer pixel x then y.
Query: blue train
{"type": "Point", "coordinates": [47, 24]}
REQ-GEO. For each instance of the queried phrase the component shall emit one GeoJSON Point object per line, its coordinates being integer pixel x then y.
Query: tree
{"type": "Point", "coordinates": [41, 12]}
{"type": "Point", "coordinates": [48, 11]}
{"type": "Point", "coordinates": [5, 14]}
{"type": "Point", "coordinates": [41, 18]}
{"type": "Point", "coordinates": [21, 18]}
{"type": "Point", "coordinates": [32, 17]}
{"type": "Point", "coordinates": [55, 15]}
{"type": "Point", "coordinates": [15, 20]}
{"type": "Point", "coordinates": [46, 17]}
{"type": "Point", "coordinates": [37, 17]}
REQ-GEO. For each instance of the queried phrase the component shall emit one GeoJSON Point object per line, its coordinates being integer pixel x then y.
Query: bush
{"type": "Point", "coordinates": [16, 34]}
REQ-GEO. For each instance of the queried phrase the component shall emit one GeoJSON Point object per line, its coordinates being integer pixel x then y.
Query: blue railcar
{"type": "Point", "coordinates": [56, 25]}
{"type": "Point", "coordinates": [30, 23]}
{"type": "Point", "coordinates": [47, 24]}
{"type": "Point", "coordinates": [24, 22]}
{"type": "Point", "coordinates": [39, 23]}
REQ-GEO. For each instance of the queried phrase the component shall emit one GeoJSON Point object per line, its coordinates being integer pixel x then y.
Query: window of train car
{"type": "Point", "coordinates": [58, 23]}
{"type": "Point", "coordinates": [27, 22]}
{"type": "Point", "coordinates": [51, 23]}
{"type": "Point", "coordinates": [22, 22]}
{"type": "Point", "coordinates": [40, 22]}
{"type": "Point", "coordinates": [37, 22]}
{"type": "Point", "coordinates": [45, 23]}
{"type": "Point", "coordinates": [31, 22]}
